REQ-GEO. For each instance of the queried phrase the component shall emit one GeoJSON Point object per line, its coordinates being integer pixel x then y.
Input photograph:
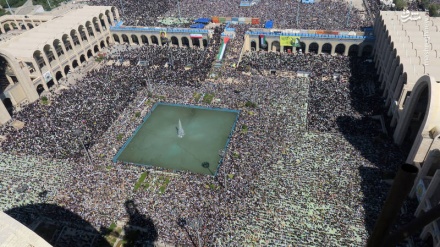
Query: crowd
{"type": "Point", "coordinates": [304, 172]}
{"type": "Point", "coordinates": [296, 176]}
{"type": "Point", "coordinates": [322, 15]}
{"type": "Point", "coordinates": [347, 92]}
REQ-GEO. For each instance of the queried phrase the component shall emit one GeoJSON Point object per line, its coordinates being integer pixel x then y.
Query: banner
{"type": "Point", "coordinates": [163, 37]}
{"type": "Point", "coordinates": [290, 41]}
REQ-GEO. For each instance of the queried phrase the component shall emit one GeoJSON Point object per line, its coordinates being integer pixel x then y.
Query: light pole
{"type": "Point", "coordinates": [122, 6]}
{"type": "Point", "coordinates": [348, 13]}
{"type": "Point", "coordinates": [297, 16]}
{"type": "Point", "coordinates": [178, 7]}
{"type": "Point", "coordinates": [78, 133]}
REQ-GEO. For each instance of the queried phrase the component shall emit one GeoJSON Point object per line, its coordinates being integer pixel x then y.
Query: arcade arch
{"type": "Point", "coordinates": [314, 47]}
{"type": "Point", "coordinates": [58, 75]}
{"type": "Point", "coordinates": [154, 40]}
{"type": "Point", "coordinates": [353, 50]}
{"type": "Point", "coordinates": [144, 39]}
{"type": "Point", "coordinates": [340, 49]}
{"type": "Point", "coordinates": [40, 89]}
{"type": "Point", "coordinates": [185, 41]}
{"type": "Point", "coordinates": [116, 38]}
{"type": "Point", "coordinates": [253, 45]}
{"type": "Point", "coordinates": [196, 42]}
{"type": "Point", "coordinates": [174, 41]}
{"type": "Point", "coordinates": [134, 38]}
{"type": "Point", "coordinates": [125, 38]}
{"type": "Point", "coordinates": [275, 46]}
{"type": "Point", "coordinates": [326, 48]}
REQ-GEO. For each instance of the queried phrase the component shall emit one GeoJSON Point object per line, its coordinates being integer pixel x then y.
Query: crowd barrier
{"type": "Point", "coordinates": [159, 29]}
{"type": "Point", "coordinates": [312, 35]}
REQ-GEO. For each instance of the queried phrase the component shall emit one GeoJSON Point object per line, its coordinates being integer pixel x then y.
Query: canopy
{"type": "Point", "coordinates": [198, 25]}
{"type": "Point", "coordinates": [269, 24]}
{"type": "Point", "coordinates": [203, 20]}
{"type": "Point", "coordinates": [307, 1]}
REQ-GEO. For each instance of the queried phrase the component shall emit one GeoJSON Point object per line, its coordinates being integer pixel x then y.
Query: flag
{"type": "Point", "coordinates": [196, 36]}
{"type": "Point", "coordinates": [263, 41]}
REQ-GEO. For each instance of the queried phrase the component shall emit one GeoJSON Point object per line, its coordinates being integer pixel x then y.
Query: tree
{"type": "Point", "coordinates": [400, 4]}
{"type": "Point", "coordinates": [433, 10]}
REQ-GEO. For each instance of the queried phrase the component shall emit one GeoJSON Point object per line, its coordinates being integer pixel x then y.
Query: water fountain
{"type": "Point", "coordinates": [180, 131]}
{"type": "Point", "coordinates": [154, 142]}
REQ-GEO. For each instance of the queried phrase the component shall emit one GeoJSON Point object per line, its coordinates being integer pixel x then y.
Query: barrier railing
{"type": "Point", "coordinates": [159, 29]}
{"type": "Point", "coordinates": [309, 35]}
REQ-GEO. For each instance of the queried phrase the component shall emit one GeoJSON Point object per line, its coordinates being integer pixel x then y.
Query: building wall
{"type": "Point", "coordinates": [406, 60]}
{"type": "Point", "coordinates": [56, 58]}
{"type": "Point", "coordinates": [273, 41]}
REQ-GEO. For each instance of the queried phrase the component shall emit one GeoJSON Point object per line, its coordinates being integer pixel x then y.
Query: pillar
{"type": "Point", "coordinates": [40, 74]}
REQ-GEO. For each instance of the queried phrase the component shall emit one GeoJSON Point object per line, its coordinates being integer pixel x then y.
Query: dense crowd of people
{"type": "Point", "coordinates": [322, 15]}
{"type": "Point", "coordinates": [296, 137]}
{"type": "Point", "coordinates": [300, 169]}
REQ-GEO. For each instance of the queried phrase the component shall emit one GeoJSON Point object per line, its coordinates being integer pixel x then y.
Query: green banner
{"type": "Point", "coordinates": [290, 41]}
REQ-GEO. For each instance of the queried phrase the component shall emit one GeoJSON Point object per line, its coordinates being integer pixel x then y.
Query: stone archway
{"type": "Point", "coordinates": [154, 40]}
{"type": "Point", "coordinates": [58, 75]}
{"type": "Point", "coordinates": [125, 39]}
{"type": "Point", "coordinates": [144, 39]}
{"type": "Point", "coordinates": [196, 42]}
{"type": "Point", "coordinates": [275, 46]}
{"type": "Point", "coordinates": [102, 45]}
{"type": "Point", "coordinates": [116, 38]}
{"type": "Point", "coordinates": [314, 48]}
{"type": "Point", "coordinates": [340, 49]}
{"type": "Point", "coordinates": [174, 41]}
{"type": "Point", "coordinates": [353, 50]}
{"type": "Point", "coordinates": [253, 45]}
{"type": "Point", "coordinates": [96, 49]}
{"type": "Point", "coordinates": [89, 53]}
{"type": "Point", "coordinates": [40, 89]}
{"type": "Point", "coordinates": [185, 42]}
{"type": "Point", "coordinates": [326, 48]}
{"type": "Point", "coordinates": [82, 58]}
{"type": "Point", "coordinates": [420, 114]}
{"type": "Point", "coordinates": [66, 69]}
{"type": "Point", "coordinates": [135, 39]}
{"type": "Point", "coordinates": [7, 27]}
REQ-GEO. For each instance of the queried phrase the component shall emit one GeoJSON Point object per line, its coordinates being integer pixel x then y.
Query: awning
{"type": "Point", "coordinates": [198, 25]}
{"type": "Point", "coordinates": [203, 20]}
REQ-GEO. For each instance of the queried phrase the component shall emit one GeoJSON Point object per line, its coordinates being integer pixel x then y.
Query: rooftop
{"type": "Point", "coordinates": [50, 30]}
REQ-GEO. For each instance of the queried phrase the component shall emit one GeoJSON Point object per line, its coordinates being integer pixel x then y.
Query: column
{"type": "Point", "coordinates": [40, 74]}
{"type": "Point", "coordinates": [48, 66]}
{"type": "Point", "coordinates": [55, 54]}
